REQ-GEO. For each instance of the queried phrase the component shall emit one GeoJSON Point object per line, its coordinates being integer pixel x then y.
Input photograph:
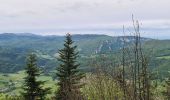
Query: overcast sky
{"type": "Point", "coordinates": [84, 16]}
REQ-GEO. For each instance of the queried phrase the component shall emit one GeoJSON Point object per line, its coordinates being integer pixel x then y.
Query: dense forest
{"type": "Point", "coordinates": [84, 67]}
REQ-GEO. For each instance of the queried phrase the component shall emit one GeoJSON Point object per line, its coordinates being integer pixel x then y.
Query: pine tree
{"type": "Point", "coordinates": [32, 87]}
{"type": "Point", "coordinates": [167, 86]}
{"type": "Point", "coordinates": [68, 74]}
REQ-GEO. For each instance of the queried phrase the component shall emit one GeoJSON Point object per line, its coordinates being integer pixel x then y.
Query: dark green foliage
{"type": "Point", "coordinates": [33, 89]}
{"type": "Point", "coordinates": [166, 93]}
{"type": "Point", "coordinates": [68, 73]}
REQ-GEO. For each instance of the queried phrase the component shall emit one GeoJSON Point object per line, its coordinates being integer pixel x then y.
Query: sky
{"type": "Point", "coordinates": [57, 17]}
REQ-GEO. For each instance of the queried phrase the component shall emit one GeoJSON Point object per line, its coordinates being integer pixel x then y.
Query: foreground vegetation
{"type": "Point", "coordinates": [108, 88]}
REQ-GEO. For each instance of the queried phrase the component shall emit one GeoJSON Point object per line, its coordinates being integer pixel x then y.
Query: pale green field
{"type": "Point", "coordinates": [17, 80]}
{"type": "Point", "coordinates": [164, 57]}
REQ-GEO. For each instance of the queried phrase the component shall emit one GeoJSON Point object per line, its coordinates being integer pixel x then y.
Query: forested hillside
{"type": "Point", "coordinates": [15, 47]}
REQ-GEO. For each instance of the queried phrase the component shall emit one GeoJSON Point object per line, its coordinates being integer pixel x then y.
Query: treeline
{"type": "Point", "coordinates": [127, 77]}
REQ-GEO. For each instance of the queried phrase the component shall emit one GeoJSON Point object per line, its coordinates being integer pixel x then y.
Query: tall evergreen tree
{"type": "Point", "coordinates": [33, 89]}
{"type": "Point", "coordinates": [68, 73]}
{"type": "Point", "coordinates": [167, 92]}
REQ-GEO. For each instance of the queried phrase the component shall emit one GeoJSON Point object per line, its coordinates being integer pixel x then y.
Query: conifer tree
{"type": "Point", "coordinates": [167, 92]}
{"type": "Point", "coordinates": [32, 87]}
{"type": "Point", "coordinates": [68, 73]}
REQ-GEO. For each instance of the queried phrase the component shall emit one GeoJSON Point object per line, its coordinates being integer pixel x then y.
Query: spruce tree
{"type": "Point", "coordinates": [166, 93]}
{"type": "Point", "coordinates": [32, 87]}
{"type": "Point", "coordinates": [68, 72]}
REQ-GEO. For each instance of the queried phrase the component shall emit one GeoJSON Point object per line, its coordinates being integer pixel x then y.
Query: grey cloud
{"type": "Point", "coordinates": [77, 14]}
{"type": "Point", "coordinates": [77, 6]}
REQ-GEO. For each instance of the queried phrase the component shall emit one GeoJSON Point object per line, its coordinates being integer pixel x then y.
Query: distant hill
{"type": "Point", "coordinates": [87, 44]}
{"type": "Point", "coordinates": [161, 56]}
{"type": "Point", "coordinates": [15, 47]}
